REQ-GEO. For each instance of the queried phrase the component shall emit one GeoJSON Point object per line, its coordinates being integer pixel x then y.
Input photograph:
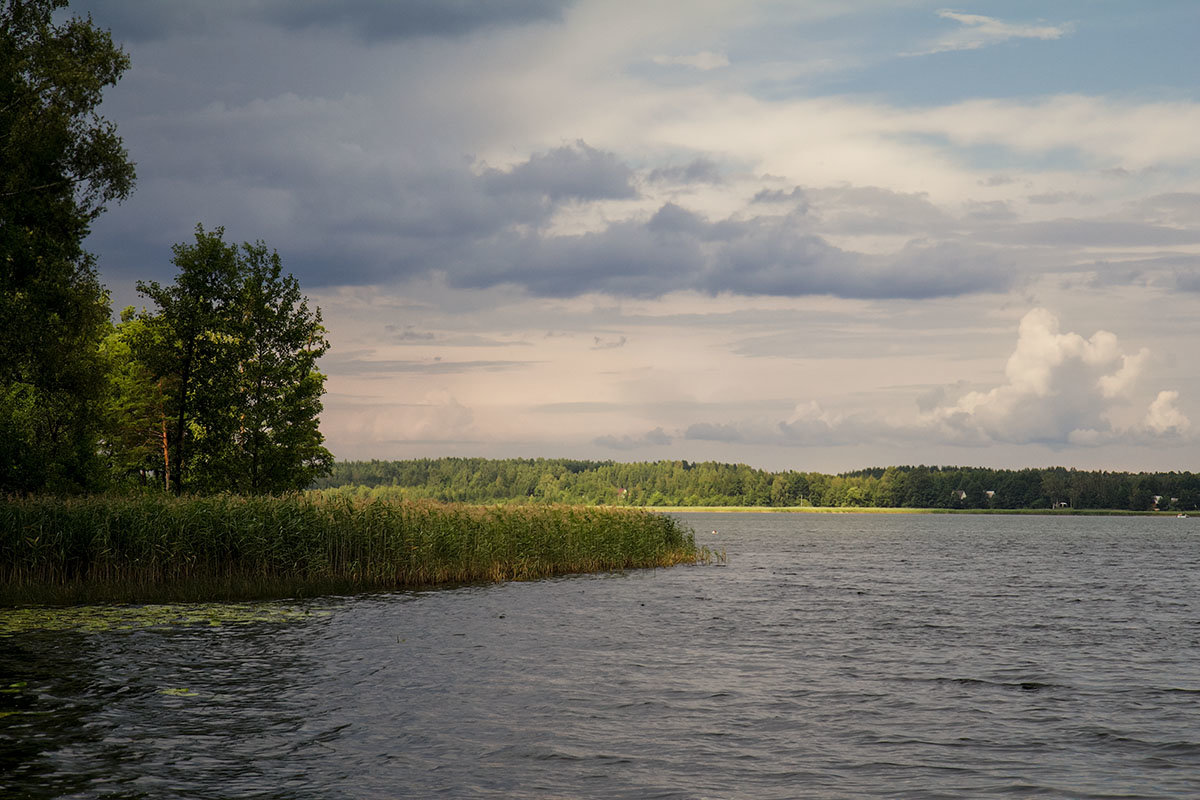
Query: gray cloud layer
{"type": "Point", "coordinates": [369, 20]}
{"type": "Point", "coordinates": [341, 220]}
{"type": "Point", "coordinates": [355, 164]}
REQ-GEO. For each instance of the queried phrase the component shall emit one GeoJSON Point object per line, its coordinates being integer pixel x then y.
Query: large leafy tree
{"type": "Point", "coordinates": [60, 164]}
{"type": "Point", "coordinates": [276, 445]}
{"type": "Point", "coordinates": [190, 351]}
{"type": "Point", "coordinates": [234, 343]}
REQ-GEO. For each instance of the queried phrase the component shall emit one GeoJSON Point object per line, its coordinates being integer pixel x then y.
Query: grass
{"type": "Point", "coordinates": [160, 548]}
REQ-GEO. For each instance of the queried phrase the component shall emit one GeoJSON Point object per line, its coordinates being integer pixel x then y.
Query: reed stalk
{"type": "Point", "coordinates": [157, 547]}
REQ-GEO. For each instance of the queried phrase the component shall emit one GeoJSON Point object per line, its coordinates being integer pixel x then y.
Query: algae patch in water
{"type": "Point", "coordinates": [99, 619]}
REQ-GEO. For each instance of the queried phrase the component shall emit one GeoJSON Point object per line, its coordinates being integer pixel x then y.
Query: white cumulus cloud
{"type": "Point", "coordinates": [1164, 417]}
{"type": "Point", "coordinates": [1061, 389]}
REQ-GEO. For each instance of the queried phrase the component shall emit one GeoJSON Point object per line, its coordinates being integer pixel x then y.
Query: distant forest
{"type": "Point", "coordinates": [680, 483]}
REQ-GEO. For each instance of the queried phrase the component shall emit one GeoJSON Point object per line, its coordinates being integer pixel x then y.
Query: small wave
{"type": "Point", "coordinates": [1023, 686]}
{"type": "Point", "coordinates": [1179, 749]}
{"type": "Point", "coordinates": [536, 752]}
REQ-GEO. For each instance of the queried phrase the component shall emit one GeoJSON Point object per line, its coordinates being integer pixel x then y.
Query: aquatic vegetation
{"type": "Point", "coordinates": [103, 618]}
{"type": "Point", "coordinates": [155, 547]}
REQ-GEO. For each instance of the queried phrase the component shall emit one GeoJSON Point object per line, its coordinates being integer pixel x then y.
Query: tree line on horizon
{"type": "Point", "coordinates": [709, 483]}
{"type": "Point", "coordinates": [213, 388]}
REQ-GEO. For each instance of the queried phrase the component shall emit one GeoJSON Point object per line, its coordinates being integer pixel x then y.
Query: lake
{"type": "Point", "coordinates": [854, 655]}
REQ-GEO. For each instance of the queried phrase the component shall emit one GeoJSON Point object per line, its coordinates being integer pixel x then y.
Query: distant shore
{"type": "Point", "coordinates": [1049, 512]}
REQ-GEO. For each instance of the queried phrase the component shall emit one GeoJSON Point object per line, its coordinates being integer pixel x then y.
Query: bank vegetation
{"type": "Point", "coordinates": [158, 547]}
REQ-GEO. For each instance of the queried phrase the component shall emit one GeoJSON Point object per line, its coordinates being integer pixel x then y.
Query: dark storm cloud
{"type": "Point", "coordinates": [359, 222]}
{"type": "Point", "coordinates": [677, 249]}
{"type": "Point", "coordinates": [340, 215]}
{"type": "Point", "coordinates": [369, 20]}
{"type": "Point", "coordinates": [770, 256]}
{"type": "Point", "coordinates": [381, 19]}
{"type": "Point", "coordinates": [575, 172]}
{"type": "Point", "coordinates": [626, 258]}
{"type": "Point", "coordinates": [344, 206]}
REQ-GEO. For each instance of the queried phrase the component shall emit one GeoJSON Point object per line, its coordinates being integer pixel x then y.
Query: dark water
{"type": "Point", "coordinates": [835, 656]}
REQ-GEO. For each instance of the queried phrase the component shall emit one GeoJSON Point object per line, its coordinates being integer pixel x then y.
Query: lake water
{"type": "Point", "coordinates": [833, 656]}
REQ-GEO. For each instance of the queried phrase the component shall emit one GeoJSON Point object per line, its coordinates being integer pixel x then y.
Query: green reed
{"type": "Point", "coordinates": [224, 547]}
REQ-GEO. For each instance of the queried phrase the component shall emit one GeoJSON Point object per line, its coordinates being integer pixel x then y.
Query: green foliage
{"type": "Point", "coordinates": [234, 344]}
{"type": "Point", "coordinates": [156, 546]}
{"type": "Point", "coordinates": [135, 422]}
{"type": "Point", "coordinates": [189, 348]}
{"type": "Point", "coordinates": [679, 483]}
{"type": "Point", "coordinates": [276, 445]}
{"type": "Point", "coordinates": [60, 163]}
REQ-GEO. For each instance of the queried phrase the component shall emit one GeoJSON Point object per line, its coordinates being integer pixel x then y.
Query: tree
{"type": "Point", "coordinates": [277, 443]}
{"type": "Point", "coordinates": [60, 163]}
{"type": "Point", "coordinates": [134, 437]}
{"type": "Point", "coordinates": [1056, 486]}
{"type": "Point", "coordinates": [235, 346]}
{"type": "Point", "coordinates": [190, 349]}
{"type": "Point", "coordinates": [892, 488]}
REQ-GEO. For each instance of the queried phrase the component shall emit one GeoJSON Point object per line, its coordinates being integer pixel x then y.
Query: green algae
{"type": "Point", "coordinates": [105, 618]}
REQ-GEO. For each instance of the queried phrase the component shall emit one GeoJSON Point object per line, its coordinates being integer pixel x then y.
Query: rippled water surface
{"type": "Point", "coordinates": [834, 656]}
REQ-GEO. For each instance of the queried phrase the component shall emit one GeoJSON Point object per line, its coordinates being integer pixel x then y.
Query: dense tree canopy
{"type": "Point", "coordinates": [231, 349]}
{"type": "Point", "coordinates": [680, 483]}
{"type": "Point", "coordinates": [60, 163]}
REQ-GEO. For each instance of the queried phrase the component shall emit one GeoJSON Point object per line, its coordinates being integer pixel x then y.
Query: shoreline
{"type": "Point", "coordinates": [1047, 512]}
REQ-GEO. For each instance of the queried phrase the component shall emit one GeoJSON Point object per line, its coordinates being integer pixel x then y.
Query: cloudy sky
{"type": "Point", "coordinates": [817, 235]}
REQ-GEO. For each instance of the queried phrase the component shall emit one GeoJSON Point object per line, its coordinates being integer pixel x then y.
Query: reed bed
{"type": "Point", "coordinates": [229, 547]}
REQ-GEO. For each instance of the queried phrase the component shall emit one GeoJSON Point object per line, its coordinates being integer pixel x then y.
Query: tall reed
{"type": "Point", "coordinates": [159, 547]}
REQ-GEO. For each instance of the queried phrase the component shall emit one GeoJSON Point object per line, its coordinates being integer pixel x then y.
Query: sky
{"type": "Point", "coordinates": [812, 235]}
